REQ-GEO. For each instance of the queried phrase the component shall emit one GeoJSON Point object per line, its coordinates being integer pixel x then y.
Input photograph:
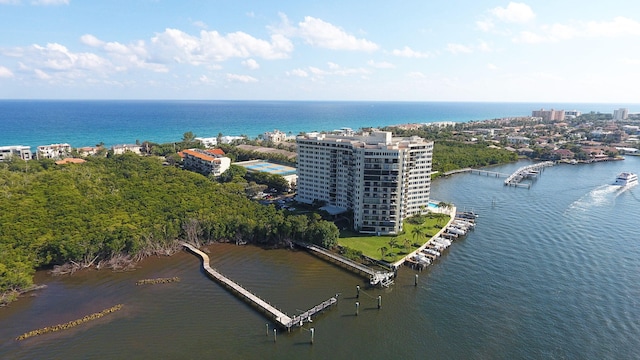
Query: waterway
{"type": "Point", "coordinates": [550, 272]}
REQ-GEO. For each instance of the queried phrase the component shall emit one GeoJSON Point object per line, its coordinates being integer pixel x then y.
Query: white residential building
{"type": "Point", "coordinates": [53, 151]}
{"type": "Point", "coordinates": [276, 136]}
{"type": "Point", "coordinates": [123, 148]}
{"type": "Point", "coordinates": [382, 179]}
{"type": "Point", "coordinates": [22, 152]}
{"type": "Point", "coordinates": [205, 162]}
{"type": "Point", "coordinates": [207, 142]}
{"type": "Point", "coordinates": [227, 139]}
{"type": "Point", "coordinates": [621, 114]}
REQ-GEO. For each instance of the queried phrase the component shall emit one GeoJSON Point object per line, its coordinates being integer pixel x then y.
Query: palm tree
{"type": "Point", "coordinates": [383, 252]}
{"type": "Point", "coordinates": [393, 242]}
{"type": "Point", "coordinates": [407, 244]}
{"type": "Point", "coordinates": [417, 232]}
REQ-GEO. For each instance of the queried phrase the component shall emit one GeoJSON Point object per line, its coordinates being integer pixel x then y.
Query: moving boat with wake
{"type": "Point", "coordinates": [626, 179]}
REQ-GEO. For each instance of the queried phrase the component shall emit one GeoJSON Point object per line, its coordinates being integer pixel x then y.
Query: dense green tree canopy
{"type": "Point", "coordinates": [125, 204]}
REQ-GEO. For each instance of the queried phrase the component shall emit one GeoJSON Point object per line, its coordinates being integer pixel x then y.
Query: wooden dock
{"type": "Point", "coordinates": [382, 278]}
{"type": "Point", "coordinates": [279, 317]}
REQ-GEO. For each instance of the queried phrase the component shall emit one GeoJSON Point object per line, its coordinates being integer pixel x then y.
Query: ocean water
{"type": "Point", "coordinates": [550, 272]}
{"type": "Point", "coordinates": [87, 123]}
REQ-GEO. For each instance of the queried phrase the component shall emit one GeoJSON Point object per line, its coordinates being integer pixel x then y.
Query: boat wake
{"type": "Point", "coordinates": [604, 195]}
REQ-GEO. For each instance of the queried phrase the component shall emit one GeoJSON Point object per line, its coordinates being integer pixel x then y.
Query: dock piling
{"type": "Point", "coordinates": [415, 283]}
{"type": "Point", "coordinates": [357, 291]}
{"type": "Point", "coordinates": [312, 333]}
{"type": "Point", "coordinates": [357, 307]}
{"type": "Point", "coordinates": [379, 301]}
{"type": "Point", "coordinates": [275, 332]}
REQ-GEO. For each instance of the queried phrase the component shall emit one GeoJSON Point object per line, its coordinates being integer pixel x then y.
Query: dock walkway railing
{"type": "Point", "coordinates": [271, 311]}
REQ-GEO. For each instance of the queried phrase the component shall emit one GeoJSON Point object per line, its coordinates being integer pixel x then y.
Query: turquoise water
{"type": "Point", "coordinates": [87, 123]}
{"type": "Point", "coordinates": [549, 272]}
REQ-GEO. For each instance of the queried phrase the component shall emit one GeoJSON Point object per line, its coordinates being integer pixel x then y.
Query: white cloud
{"type": "Point", "coordinates": [298, 73]}
{"type": "Point", "coordinates": [251, 64]}
{"type": "Point", "coordinates": [91, 40]}
{"type": "Point", "coordinates": [124, 57]}
{"type": "Point", "coordinates": [492, 67]}
{"type": "Point", "coordinates": [174, 45]}
{"type": "Point", "coordinates": [381, 65]}
{"type": "Point", "coordinates": [200, 24]}
{"type": "Point", "coordinates": [485, 25]}
{"type": "Point", "coordinates": [205, 80]}
{"type": "Point", "coordinates": [618, 27]}
{"type": "Point", "coordinates": [333, 69]}
{"type": "Point", "coordinates": [333, 66]}
{"type": "Point", "coordinates": [42, 75]}
{"type": "Point", "coordinates": [50, 2]}
{"type": "Point", "coordinates": [317, 32]}
{"type": "Point", "coordinates": [458, 49]}
{"type": "Point", "coordinates": [416, 75]}
{"type": "Point", "coordinates": [241, 78]}
{"type": "Point", "coordinates": [5, 72]}
{"type": "Point", "coordinates": [36, 2]}
{"type": "Point", "coordinates": [514, 13]}
{"type": "Point", "coordinates": [57, 57]}
{"type": "Point", "coordinates": [409, 53]}
{"type": "Point", "coordinates": [484, 47]}
{"type": "Point", "coordinates": [630, 61]}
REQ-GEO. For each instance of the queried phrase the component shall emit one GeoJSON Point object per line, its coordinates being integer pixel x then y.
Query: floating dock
{"type": "Point", "coordinates": [279, 317]}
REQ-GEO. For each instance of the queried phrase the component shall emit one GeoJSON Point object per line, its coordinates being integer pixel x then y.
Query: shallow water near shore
{"type": "Point", "coordinates": [550, 272]}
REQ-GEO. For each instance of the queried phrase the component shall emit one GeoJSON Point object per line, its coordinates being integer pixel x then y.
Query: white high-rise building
{"type": "Point", "coordinates": [621, 114]}
{"type": "Point", "coordinates": [382, 179]}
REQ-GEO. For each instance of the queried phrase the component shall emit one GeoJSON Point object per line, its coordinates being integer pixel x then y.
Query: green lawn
{"type": "Point", "coordinates": [371, 245]}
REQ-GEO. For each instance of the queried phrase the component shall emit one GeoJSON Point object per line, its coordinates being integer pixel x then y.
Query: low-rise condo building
{"type": "Point", "coordinates": [18, 151]}
{"type": "Point", "coordinates": [204, 162]}
{"type": "Point", "coordinates": [382, 179]}
{"type": "Point", "coordinates": [124, 148]}
{"type": "Point", "coordinates": [53, 151]}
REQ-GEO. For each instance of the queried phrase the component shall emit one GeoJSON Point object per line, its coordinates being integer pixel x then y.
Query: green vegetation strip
{"type": "Point", "coordinates": [417, 231]}
{"type": "Point", "coordinates": [157, 281]}
{"type": "Point", "coordinates": [70, 324]}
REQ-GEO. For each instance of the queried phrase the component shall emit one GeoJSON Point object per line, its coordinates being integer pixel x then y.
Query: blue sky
{"type": "Point", "coordinates": [456, 50]}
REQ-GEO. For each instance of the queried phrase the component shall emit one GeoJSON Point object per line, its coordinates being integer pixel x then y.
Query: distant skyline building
{"type": "Point", "coordinates": [549, 115]}
{"type": "Point", "coordinates": [571, 114]}
{"type": "Point", "coordinates": [621, 114]}
{"type": "Point", "coordinates": [382, 179]}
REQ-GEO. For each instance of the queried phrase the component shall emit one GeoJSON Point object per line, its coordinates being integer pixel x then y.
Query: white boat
{"type": "Point", "coordinates": [626, 179]}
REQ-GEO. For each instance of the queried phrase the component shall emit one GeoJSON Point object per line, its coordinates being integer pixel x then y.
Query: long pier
{"type": "Point", "coordinates": [526, 172]}
{"type": "Point", "coordinates": [382, 278]}
{"type": "Point", "coordinates": [475, 171]}
{"type": "Point", "coordinates": [270, 311]}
